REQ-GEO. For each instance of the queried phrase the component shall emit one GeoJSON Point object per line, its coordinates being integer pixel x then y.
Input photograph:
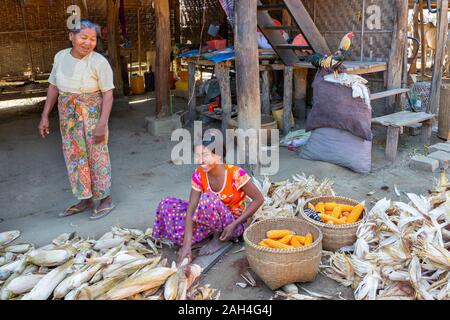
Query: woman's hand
{"type": "Point", "coordinates": [44, 127]}
{"type": "Point", "coordinates": [228, 232]}
{"type": "Point", "coordinates": [185, 252]}
{"type": "Point", "coordinates": [99, 133]}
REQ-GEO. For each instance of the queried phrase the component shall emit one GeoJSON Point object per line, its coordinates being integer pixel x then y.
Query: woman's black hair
{"type": "Point", "coordinates": [209, 141]}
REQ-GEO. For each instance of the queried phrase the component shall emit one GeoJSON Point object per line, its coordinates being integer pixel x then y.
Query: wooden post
{"type": "Point", "coordinates": [439, 57]}
{"type": "Point", "coordinates": [423, 48]}
{"type": "Point", "coordinates": [393, 134]}
{"type": "Point", "coordinates": [300, 87]}
{"type": "Point", "coordinates": [444, 113]}
{"type": "Point", "coordinates": [222, 71]}
{"type": "Point", "coordinates": [247, 69]}
{"type": "Point", "coordinates": [162, 69]}
{"type": "Point", "coordinates": [427, 127]}
{"type": "Point", "coordinates": [113, 44]}
{"type": "Point", "coordinates": [139, 39]}
{"type": "Point", "coordinates": [192, 101]}
{"type": "Point", "coordinates": [177, 22]}
{"type": "Point", "coordinates": [287, 99]}
{"type": "Point", "coordinates": [416, 34]}
{"type": "Point", "coordinates": [265, 90]}
{"type": "Point", "coordinates": [398, 44]}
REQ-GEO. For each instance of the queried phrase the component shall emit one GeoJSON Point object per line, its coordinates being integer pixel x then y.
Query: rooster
{"type": "Point", "coordinates": [332, 63]}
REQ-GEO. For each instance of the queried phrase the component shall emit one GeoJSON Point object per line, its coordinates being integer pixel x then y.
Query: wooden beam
{"type": "Point", "coordinates": [177, 18]}
{"type": "Point", "coordinates": [399, 39]}
{"type": "Point", "coordinates": [300, 88]}
{"type": "Point", "coordinates": [139, 39]}
{"type": "Point", "coordinates": [393, 134]}
{"type": "Point", "coordinates": [265, 93]}
{"type": "Point", "coordinates": [162, 69]}
{"type": "Point", "coordinates": [307, 25]}
{"type": "Point", "coordinates": [416, 34]}
{"type": "Point", "coordinates": [112, 7]}
{"type": "Point", "coordinates": [192, 101]}
{"type": "Point", "coordinates": [222, 71]}
{"type": "Point", "coordinates": [247, 68]}
{"type": "Point", "coordinates": [287, 99]}
{"type": "Point", "coordinates": [422, 41]}
{"type": "Point", "coordinates": [436, 81]}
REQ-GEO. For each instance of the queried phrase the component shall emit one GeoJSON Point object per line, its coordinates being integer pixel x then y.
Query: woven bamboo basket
{"type": "Point", "coordinates": [334, 236]}
{"type": "Point", "coordinates": [277, 267]}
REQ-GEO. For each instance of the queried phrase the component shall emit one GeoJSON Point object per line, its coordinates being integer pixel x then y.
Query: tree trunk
{"type": "Point", "coordinates": [162, 69]}
{"type": "Point", "coordinates": [113, 44]}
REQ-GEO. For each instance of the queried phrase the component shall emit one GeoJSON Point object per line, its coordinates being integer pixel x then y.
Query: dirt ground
{"type": "Point", "coordinates": [34, 187]}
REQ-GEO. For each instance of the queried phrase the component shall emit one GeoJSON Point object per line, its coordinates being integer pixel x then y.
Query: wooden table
{"type": "Point", "coordinates": [395, 123]}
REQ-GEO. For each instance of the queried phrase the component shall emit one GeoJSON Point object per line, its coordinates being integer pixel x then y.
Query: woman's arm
{"type": "Point", "coordinates": [100, 130]}
{"type": "Point", "coordinates": [52, 96]}
{"type": "Point", "coordinates": [257, 201]}
{"type": "Point", "coordinates": [185, 250]}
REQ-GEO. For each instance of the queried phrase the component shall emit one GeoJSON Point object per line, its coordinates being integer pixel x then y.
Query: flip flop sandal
{"type": "Point", "coordinates": [70, 211]}
{"type": "Point", "coordinates": [98, 214]}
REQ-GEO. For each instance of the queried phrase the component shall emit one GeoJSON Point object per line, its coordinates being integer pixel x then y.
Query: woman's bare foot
{"type": "Point", "coordinates": [212, 246]}
{"type": "Point", "coordinates": [80, 207]}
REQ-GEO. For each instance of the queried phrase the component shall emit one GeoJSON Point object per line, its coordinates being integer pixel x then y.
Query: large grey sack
{"type": "Point", "coordinates": [334, 107]}
{"type": "Point", "coordinates": [339, 147]}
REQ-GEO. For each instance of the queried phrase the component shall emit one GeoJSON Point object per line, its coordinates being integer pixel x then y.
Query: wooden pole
{"type": "Point", "coordinates": [192, 101]}
{"type": "Point", "coordinates": [300, 87]}
{"type": "Point", "coordinates": [113, 44]}
{"type": "Point", "coordinates": [398, 44]}
{"type": "Point", "coordinates": [423, 49]}
{"type": "Point", "coordinates": [416, 34]}
{"type": "Point", "coordinates": [177, 22]}
{"type": "Point", "coordinates": [139, 39]}
{"type": "Point", "coordinates": [247, 68]}
{"type": "Point", "coordinates": [162, 69]}
{"type": "Point", "coordinates": [438, 67]}
{"type": "Point", "coordinates": [287, 99]}
{"type": "Point", "coordinates": [222, 71]}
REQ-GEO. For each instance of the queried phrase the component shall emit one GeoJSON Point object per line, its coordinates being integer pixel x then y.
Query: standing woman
{"type": "Point", "coordinates": [82, 82]}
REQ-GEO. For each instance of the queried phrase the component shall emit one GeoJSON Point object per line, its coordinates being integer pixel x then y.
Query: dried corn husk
{"type": "Point", "coordinates": [8, 237]}
{"type": "Point", "coordinates": [151, 279]}
{"type": "Point", "coordinates": [49, 258]}
{"type": "Point", "coordinates": [171, 287]}
{"type": "Point", "coordinates": [400, 252]}
{"type": "Point", "coordinates": [108, 243]}
{"type": "Point", "coordinates": [93, 292]}
{"type": "Point", "coordinates": [19, 248]}
{"type": "Point", "coordinates": [48, 283]}
{"type": "Point", "coordinates": [24, 284]}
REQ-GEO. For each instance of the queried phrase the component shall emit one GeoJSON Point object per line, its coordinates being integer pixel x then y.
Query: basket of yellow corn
{"type": "Point", "coordinates": [337, 217]}
{"type": "Point", "coordinates": [283, 251]}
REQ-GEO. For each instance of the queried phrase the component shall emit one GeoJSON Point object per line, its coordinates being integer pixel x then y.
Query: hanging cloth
{"type": "Point", "coordinates": [228, 7]}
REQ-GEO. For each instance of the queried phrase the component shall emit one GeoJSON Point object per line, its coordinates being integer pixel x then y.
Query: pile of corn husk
{"type": "Point", "coordinates": [401, 250]}
{"type": "Point", "coordinates": [122, 264]}
{"type": "Point", "coordinates": [285, 198]}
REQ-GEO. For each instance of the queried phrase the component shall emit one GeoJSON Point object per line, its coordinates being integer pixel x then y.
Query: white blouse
{"type": "Point", "coordinates": [87, 75]}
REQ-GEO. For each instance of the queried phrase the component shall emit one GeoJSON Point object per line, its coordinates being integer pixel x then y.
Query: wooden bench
{"type": "Point", "coordinates": [395, 123]}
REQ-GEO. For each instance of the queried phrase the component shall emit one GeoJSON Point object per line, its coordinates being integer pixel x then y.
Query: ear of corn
{"type": "Point", "coordinates": [356, 213]}
{"type": "Point", "coordinates": [286, 239]}
{"type": "Point", "coordinates": [308, 239]}
{"type": "Point", "coordinates": [300, 239]}
{"type": "Point", "coordinates": [276, 244]}
{"type": "Point", "coordinates": [337, 211]}
{"type": "Point", "coordinates": [327, 218]}
{"type": "Point", "coordinates": [278, 234]}
{"type": "Point", "coordinates": [295, 243]}
{"type": "Point", "coordinates": [320, 207]}
{"type": "Point", "coordinates": [346, 208]}
{"type": "Point", "coordinates": [311, 206]}
{"type": "Point", "coordinates": [263, 244]}
{"type": "Point", "coordinates": [329, 206]}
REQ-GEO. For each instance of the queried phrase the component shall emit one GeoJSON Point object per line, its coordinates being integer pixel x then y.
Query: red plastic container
{"type": "Point", "coordinates": [217, 44]}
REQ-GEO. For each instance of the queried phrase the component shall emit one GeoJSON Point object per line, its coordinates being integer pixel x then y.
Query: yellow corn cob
{"type": "Point", "coordinates": [346, 208]}
{"type": "Point", "coordinates": [308, 239]}
{"type": "Point", "coordinates": [326, 218]}
{"type": "Point", "coordinates": [300, 239]}
{"type": "Point", "coordinates": [336, 211]}
{"type": "Point", "coordinates": [295, 243]}
{"type": "Point", "coordinates": [356, 213]}
{"type": "Point", "coordinates": [276, 244]}
{"type": "Point", "coordinates": [311, 206]}
{"type": "Point", "coordinates": [329, 206]}
{"type": "Point", "coordinates": [263, 244]}
{"type": "Point", "coordinates": [320, 207]}
{"type": "Point", "coordinates": [278, 234]}
{"type": "Point", "coordinates": [286, 239]}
